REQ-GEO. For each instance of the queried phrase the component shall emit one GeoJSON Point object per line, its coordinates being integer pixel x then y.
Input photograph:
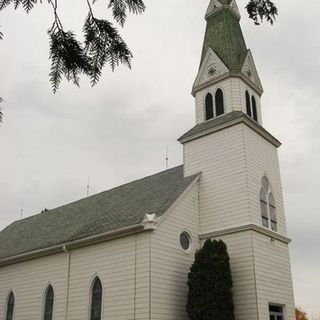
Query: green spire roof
{"type": "Point", "coordinates": [225, 1]}
{"type": "Point", "coordinates": [224, 36]}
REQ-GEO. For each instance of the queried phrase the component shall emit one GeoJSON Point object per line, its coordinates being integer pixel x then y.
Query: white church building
{"type": "Point", "coordinates": [124, 254]}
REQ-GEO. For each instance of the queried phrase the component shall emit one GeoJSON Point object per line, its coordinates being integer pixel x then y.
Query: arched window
{"type": "Point", "coordinates": [264, 208]}
{"type": "Point", "coordinates": [209, 106]}
{"type": "Point", "coordinates": [10, 306]}
{"type": "Point", "coordinates": [267, 205]}
{"type": "Point", "coordinates": [272, 210]}
{"type": "Point", "coordinates": [96, 299]}
{"type": "Point", "coordinates": [248, 104]}
{"type": "Point", "coordinates": [219, 102]}
{"type": "Point", "coordinates": [48, 304]}
{"type": "Point", "coordinates": [254, 108]}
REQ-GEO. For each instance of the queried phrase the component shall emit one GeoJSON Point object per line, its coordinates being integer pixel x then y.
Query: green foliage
{"type": "Point", "coordinates": [210, 284]}
{"type": "Point", "coordinates": [262, 9]}
{"type": "Point", "coordinates": [102, 45]}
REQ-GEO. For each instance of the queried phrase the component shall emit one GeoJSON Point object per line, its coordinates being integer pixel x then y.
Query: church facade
{"type": "Point", "coordinates": [124, 254]}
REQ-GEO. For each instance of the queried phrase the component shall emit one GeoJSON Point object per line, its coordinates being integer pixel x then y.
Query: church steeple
{"type": "Point", "coordinates": [227, 79]}
{"type": "Point", "coordinates": [224, 35]}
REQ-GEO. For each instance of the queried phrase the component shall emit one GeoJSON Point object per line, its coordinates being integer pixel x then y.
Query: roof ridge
{"type": "Point", "coordinates": [94, 195]}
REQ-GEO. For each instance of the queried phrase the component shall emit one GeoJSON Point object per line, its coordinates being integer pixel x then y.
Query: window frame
{"type": "Point", "coordinates": [214, 104]}
{"type": "Point", "coordinates": [276, 314]}
{"type": "Point", "coordinates": [272, 218]}
{"type": "Point", "coordinates": [49, 285]}
{"type": "Point", "coordinates": [206, 107]}
{"type": "Point", "coordinates": [92, 283]}
{"type": "Point", "coordinates": [9, 295]}
{"type": "Point", "coordinates": [251, 105]}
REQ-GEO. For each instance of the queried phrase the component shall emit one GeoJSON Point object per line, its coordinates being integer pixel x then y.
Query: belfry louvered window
{"type": "Point", "coordinates": [10, 306]}
{"type": "Point", "coordinates": [267, 205]}
{"type": "Point", "coordinates": [96, 300]}
{"type": "Point", "coordinates": [248, 104]}
{"type": "Point", "coordinates": [219, 102]}
{"type": "Point", "coordinates": [48, 304]}
{"type": "Point", "coordinates": [209, 106]}
{"type": "Point", "coordinates": [214, 107]}
{"type": "Point", "coordinates": [251, 106]}
{"type": "Point", "coordinates": [254, 108]}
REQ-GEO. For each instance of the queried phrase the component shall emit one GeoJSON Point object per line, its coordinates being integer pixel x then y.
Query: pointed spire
{"type": "Point", "coordinates": [224, 35]}
{"type": "Point", "coordinates": [216, 5]}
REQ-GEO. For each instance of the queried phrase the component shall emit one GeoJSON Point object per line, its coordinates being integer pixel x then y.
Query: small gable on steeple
{"type": "Point", "coordinates": [250, 71]}
{"type": "Point", "coordinates": [211, 68]}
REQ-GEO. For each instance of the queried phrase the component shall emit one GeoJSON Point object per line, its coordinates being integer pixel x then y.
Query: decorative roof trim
{"type": "Point", "coordinates": [230, 74]}
{"type": "Point", "coordinates": [241, 119]}
{"type": "Point", "coordinates": [247, 227]}
{"type": "Point", "coordinates": [119, 233]}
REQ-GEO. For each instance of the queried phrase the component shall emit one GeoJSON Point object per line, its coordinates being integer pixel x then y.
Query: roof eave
{"type": "Point", "coordinates": [64, 247]}
{"type": "Point", "coordinates": [242, 119]}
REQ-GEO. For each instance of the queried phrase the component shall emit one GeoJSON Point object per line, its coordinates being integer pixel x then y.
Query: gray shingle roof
{"type": "Point", "coordinates": [215, 122]}
{"type": "Point", "coordinates": [117, 208]}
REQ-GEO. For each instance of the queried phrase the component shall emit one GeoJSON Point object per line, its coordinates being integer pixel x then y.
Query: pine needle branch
{"type": "Point", "coordinates": [259, 10]}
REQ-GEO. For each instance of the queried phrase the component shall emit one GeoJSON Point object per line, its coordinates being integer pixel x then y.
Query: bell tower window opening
{"type": "Point", "coordinates": [209, 106]}
{"type": "Point", "coordinates": [214, 107]}
{"type": "Point", "coordinates": [254, 108]}
{"type": "Point", "coordinates": [248, 104]}
{"type": "Point", "coordinates": [251, 106]}
{"type": "Point", "coordinates": [267, 206]}
{"type": "Point", "coordinates": [219, 102]}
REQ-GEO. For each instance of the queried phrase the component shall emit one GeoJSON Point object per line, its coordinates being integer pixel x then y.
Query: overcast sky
{"type": "Point", "coordinates": [118, 131]}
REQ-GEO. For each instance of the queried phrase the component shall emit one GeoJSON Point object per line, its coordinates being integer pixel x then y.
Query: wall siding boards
{"type": "Point", "coordinates": [121, 264]}
{"type": "Point", "coordinates": [169, 263]}
{"type": "Point", "coordinates": [234, 97]}
{"type": "Point", "coordinates": [222, 187]}
{"type": "Point", "coordinates": [28, 281]}
{"type": "Point", "coordinates": [273, 274]}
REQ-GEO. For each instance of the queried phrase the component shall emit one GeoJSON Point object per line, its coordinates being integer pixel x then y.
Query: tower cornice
{"type": "Point", "coordinates": [225, 121]}
{"type": "Point", "coordinates": [226, 75]}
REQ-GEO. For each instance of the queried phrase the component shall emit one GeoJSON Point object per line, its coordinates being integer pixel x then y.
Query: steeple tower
{"type": "Point", "coordinates": [228, 64]}
{"type": "Point", "coordinates": [240, 193]}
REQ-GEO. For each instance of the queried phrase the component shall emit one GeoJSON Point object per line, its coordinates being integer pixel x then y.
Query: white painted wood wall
{"type": "Point", "coordinates": [143, 276]}
{"type": "Point", "coordinates": [234, 97]}
{"type": "Point", "coordinates": [232, 162]}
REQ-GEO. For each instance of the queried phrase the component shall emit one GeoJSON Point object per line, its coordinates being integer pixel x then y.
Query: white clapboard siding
{"type": "Point", "coordinates": [123, 266]}
{"type": "Point", "coordinates": [242, 267]}
{"type": "Point", "coordinates": [234, 97]}
{"type": "Point", "coordinates": [262, 159]}
{"type": "Point", "coordinates": [273, 274]}
{"type": "Point", "coordinates": [232, 162]}
{"type": "Point", "coordinates": [224, 200]}
{"type": "Point", "coordinates": [28, 281]}
{"type": "Point", "coordinates": [169, 263]}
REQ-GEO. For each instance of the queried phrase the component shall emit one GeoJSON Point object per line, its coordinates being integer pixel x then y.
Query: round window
{"type": "Point", "coordinates": [185, 241]}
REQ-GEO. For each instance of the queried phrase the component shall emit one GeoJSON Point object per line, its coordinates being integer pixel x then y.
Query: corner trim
{"type": "Point", "coordinates": [247, 227]}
